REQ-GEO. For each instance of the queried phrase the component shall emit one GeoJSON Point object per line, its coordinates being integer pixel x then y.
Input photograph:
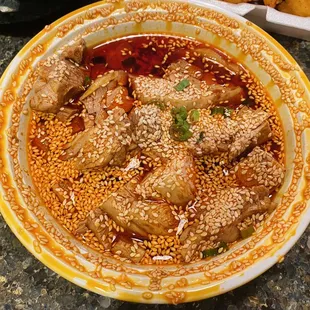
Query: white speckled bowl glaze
{"type": "Point", "coordinates": [56, 248]}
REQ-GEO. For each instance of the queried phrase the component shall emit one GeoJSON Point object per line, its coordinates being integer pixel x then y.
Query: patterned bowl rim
{"type": "Point", "coordinates": [234, 281]}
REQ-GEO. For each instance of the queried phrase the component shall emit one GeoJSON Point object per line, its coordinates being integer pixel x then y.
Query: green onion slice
{"type": "Point", "coordinates": [182, 85]}
{"type": "Point", "coordinates": [215, 251]}
{"type": "Point", "coordinates": [194, 116]}
{"type": "Point", "coordinates": [248, 232]}
{"type": "Point", "coordinates": [226, 112]}
{"type": "Point", "coordinates": [87, 80]}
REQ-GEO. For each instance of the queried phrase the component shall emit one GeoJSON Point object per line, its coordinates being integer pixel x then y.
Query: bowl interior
{"type": "Point", "coordinates": [30, 220]}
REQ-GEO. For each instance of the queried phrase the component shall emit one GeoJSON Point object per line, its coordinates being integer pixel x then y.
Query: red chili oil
{"type": "Point", "coordinates": [152, 54]}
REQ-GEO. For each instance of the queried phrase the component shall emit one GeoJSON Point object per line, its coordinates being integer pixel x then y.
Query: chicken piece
{"type": "Point", "coordinates": [150, 90]}
{"type": "Point", "coordinates": [253, 130]}
{"type": "Point", "coordinates": [101, 145]}
{"type": "Point", "coordinates": [146, 125]}
{"type": "Point", "coordinates": [125, 247]}
{"type": "Point", "coordinates": [218, 213]}
{"type": "Point", "coordinates": [182, 69]}
{"type": "Point", "coordinates": [62, 190]}
{"type": "Point", "coordinates": [260, 168]}
{"type": "Point", "coordinates": [295, 7]}
{"type": "Point", "coordinates": [139, 217]}
{"type": "Point", "coordinates": [66, 113]}
{"type": "Point", "coordinates": [175, 181]}
{"type": "Point", "coordinates": [96, 221]}
{"type": "Point", "coordinates": [58, 81]}
{"type": "Point", "coordinates": [75, 51]}
{"type": "Point", "coordinates": [210, 54]}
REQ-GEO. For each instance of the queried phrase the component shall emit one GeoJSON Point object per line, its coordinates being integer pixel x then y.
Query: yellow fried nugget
{"type": "Point", "coordinates": [295, 7]}
{"type": "Point", "coordinates": [272, 3]}
{"type": "Point", "coordinates": [237, 1]}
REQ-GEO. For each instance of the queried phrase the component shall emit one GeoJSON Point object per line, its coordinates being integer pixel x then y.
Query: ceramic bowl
{"type": "Point", "coordinates": [40, 233]}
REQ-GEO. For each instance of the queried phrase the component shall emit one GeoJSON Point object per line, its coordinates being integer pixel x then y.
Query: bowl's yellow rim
{"type": "Point", "coordinates": [207, 292]}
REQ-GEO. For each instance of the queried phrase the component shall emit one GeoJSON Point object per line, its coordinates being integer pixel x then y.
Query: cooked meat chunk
{"type": "Point", "coordinates": [89, 120]}
{"type": "Point", "coordinates": [66, 113]}
{"type": "Point", "coordinates": [217, 212]}
{"type": "Point", "coordinates": [229, 233]}
{"type": "Point", "coordinates": [182, 69]}
{"type": "Point", "coordinates": [233, 135]}
{"type": "Point", "coordinates": [151, 90]}
{"type": "Point", "coordinates": [175, 181]}
{"type": "Point", "coordinates": [75, 51]}
{"type": "Point", "coordinates": [139, 217]}
{"type": "Point", "coordinates": [253, 130]}
{"type": "Point", "coordinates": [125, 247]}
{"type": "Point", "coordinates": [97, 97]}
{"type": "Point", "coordinates": [260, 168]}
{"type": "Point", "coordinates": [62, 190]}
{"type": "Point", "coordinates": [58, 81]}
{"type": "Point", "coordinates": [146, 125]}
{"type": "Point", "coordinates": [101, 145]}
{"type": "Point", "coordinates": [118, 97]}
{"type": "Point", "coordinates": [96, 221]}
{"type": "Point", "coordinates": [41, 141]}
{"type": "Point", "coordinates": [95, 102]}
{"type": "Point", "coordinates": [211, 135]}
{"type": "Point", "coordinates": [77, 124]}
{"type": "Point", "coordinates": [211, 55]}
{"type": "Point", "coordinates": [108, 81]}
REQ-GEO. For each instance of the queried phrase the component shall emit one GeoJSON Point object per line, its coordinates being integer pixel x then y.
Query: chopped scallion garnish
{"type": "Point", "coordinates": [182, 85]}
{"type": "Point", "coordinates": [215, 251]}
{"type": "Point", "coordinates": [226, 112]}
{"type": "Point", "coordinates": [248, 232]}
{"type": "Point", "coordinates": [194, 116]}
{"type": "Point", "coordinates": [179, 130]}
{"type": "Point", "coordinates": [179, 113]}
{"type": "Point", "coordinates": [161, 105]}
{"type": "Point", "coordinates": [87, 80]}
{"type": "Point", "coordinates": [201, 136]}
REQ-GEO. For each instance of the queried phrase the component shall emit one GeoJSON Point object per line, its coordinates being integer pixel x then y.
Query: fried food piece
{"type": "Point", "coordinates": [295, 7]}
{"type": "Point", "coordinates": [238, 1]}
{"type": "Point", "coordinates": [272, 3]}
